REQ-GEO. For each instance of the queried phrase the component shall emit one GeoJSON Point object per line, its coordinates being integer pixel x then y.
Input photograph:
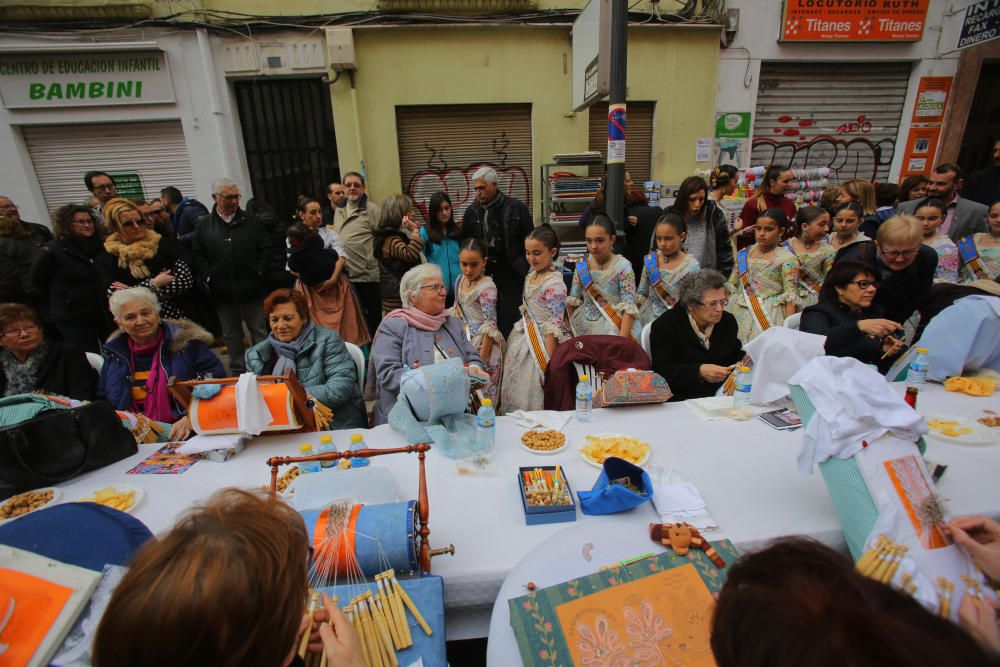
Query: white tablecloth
{"type": "Point", "coordinates": [746, 472]}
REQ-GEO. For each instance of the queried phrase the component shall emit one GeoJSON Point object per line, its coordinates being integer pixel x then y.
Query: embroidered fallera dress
{"type": "Point", "coordinates": [947, 252]}
{"type": "Point", "coordinates": [336, 308]}
{"type": "Point", "coordinates": [989, 257]}
{"type": "Point", "coordinates": [479, 313]}
{"type": "Point", "coordinates": [813, 267]}
{"type": "Point", "coordinates": [651, 303]}
{"type": "Point", "coordinates": [775, 281]}
{"type": "Point", "coordinates": [617, 282]}
{"type": "Point", "coordinates": [521, 388]}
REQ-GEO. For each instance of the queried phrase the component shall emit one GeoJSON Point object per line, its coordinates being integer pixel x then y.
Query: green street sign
{"type": "Point", "coordinates": [129, 184]}
{"type": "Point", "coordinates": [732, 125]}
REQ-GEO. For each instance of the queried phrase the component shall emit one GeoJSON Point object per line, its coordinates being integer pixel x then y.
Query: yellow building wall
{"type": "Point", "coordinates": [675, 67]}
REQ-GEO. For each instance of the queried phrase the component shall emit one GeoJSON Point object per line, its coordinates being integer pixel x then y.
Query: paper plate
{"type": "Point", "coordinates": [543, 452]}
{"type": "Point", "coordinates": [118, 488]}
{"type": "Point", "coordinates": [55, 496]}
{"type": "Point", "coordinates": [600, 464]}
{"type": "Point", "coordinates": [978, 434]}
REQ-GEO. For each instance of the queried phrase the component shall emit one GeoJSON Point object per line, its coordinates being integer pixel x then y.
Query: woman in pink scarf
{"type": "Point", "coordinates": [418, 334]}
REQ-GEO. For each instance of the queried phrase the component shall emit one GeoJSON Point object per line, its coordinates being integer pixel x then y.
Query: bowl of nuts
{"type": "Point", "coordinates": [543, 441]}
{"type": "Point", "coordinates": [28, 501]}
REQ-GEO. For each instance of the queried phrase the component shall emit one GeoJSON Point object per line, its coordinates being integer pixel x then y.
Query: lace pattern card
{"type": "Point", "coordinates": [910, 481]}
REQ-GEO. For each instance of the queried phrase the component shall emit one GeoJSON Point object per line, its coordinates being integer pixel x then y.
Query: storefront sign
{"type": "Point", "coordinates": [981, 23]}
{"type": "Point", "coordinates": [733, 125]}
{"type": "Point", "coordinates": [128, 184]}
{"type": "Point", "coordinates": [932, 98]}
{"type": "Point", "coordinates": [57, 79]}
{"type": "Point", "coordinates": [854, 20]}
{"type": "Point", "coordinates": [921, 146]}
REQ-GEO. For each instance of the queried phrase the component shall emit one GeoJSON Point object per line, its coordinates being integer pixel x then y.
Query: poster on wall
{"type": "Point", "coordinates": [980, 24]}
{"type": "Point", "coordinates": [732, 139]}
{"type": "Point", "coordinates": [932, 98]}
{"type": "Point", "coordinates": [921, 146]}
{"type": "Point", "coordinates": [870, 21]}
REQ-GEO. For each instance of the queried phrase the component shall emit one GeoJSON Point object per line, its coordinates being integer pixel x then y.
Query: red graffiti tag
{"type": "Point", "coordinates": [862, 125]}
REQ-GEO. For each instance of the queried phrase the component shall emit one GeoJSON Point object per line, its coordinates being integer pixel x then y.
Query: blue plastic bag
{"type": "Point", "coordinates": [609, 496]}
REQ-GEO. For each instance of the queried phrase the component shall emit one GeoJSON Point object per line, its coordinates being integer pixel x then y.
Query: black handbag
{"type": "Point", "coordinates": [58, 445]}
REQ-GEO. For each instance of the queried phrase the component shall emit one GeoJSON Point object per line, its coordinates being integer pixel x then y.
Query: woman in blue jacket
{"type": "Point", "coordinates": [146, 352]}
{"type": "Point", "coordinates": [441, 238]}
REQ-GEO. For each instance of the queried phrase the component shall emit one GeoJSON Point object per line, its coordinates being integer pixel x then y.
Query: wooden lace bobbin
{"type": "Point", "coordinates": [374, 643]}
{"type": "Point", "coordinates": [945, 587]}
{"type": "Point", "coordinates": [867, 559]}
{"type": "Point", "coordinates": [389, 609]}
{"type": "Point", "coordinates": [304, 644]}
{"type": "Point", "coordinates": [387, 622]}
{"type": "Point", "coordinates": [385, 640]}
{"type": "Point", "coordinates": [972, 587]}
{"type": "Point", "coordinates": [322, 660]}
{"type": "Point", "coordinates": [359, 629]}
{"type": "Point", "coordinates": [898, 553]}
{"type": "Point", "coordinates": [407, 637]}
{"type": "Point", "coordinates": [410, 604]}
{"type": "Point", "coordinates": [885, 560]}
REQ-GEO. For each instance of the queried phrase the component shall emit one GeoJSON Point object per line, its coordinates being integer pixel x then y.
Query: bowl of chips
{"type": "Point", "coordinates": [123, 497]}
{"type": "Point", "coordinates": [599, 447]}
{"type": "Point", "coordinates": [960, 431]}
{"type": "Point", "coordinates": [543, 441]}
{"type": "Point", "coordinates": [29, 501]}
{"type": "Point", "coordinates": [973, 386]}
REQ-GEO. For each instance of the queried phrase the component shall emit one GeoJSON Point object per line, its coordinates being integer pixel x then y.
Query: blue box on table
{"type": "Point", "coordinates": [539, 514]}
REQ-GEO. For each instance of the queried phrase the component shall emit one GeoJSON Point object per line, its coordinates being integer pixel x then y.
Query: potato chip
{"type": "Point", "coordinates": [109, 496]}
{"type": "Point", "coordinates": [973, 386]}
{"type": "Point", "coordinates": [624, 447]}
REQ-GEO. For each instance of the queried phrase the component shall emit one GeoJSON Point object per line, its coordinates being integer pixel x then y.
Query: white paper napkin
{"type": "Point", "coordinates": [252, 413]}
{"type": "Point", "coordinates": [208, 443]}
{"type": "Point", "coordinates": [679, 501]}
{"type": "Point", "coordinates": [541, 418]}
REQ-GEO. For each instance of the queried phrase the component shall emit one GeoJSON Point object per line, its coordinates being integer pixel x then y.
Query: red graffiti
{"type": "Point", "coordinates": [457, 183]}
{"type": "Point", "coordinates": [791, 132]}
{"type": "Point", "coordinates": [784, 119]}
{"type": "Point", "coordinates": [862, 125]}
{"type": "Point", "coordinates": [806, 123]}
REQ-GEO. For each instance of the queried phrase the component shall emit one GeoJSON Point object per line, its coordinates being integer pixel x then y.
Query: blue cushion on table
{"type": "Point", "coordinates": [84, 534]}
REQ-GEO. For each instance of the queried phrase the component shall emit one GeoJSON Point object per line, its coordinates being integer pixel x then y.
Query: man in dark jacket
{"type": "Point", "coordinates": [231, 253]}
{"type": "Point", "coordinates": [502, 222]}
{"type": "Point", "coordinates": [983, 186]}
{"type": "Point", "coordinates": [40, 234]}
{"type": "Point", "coordinates": [184, 213]}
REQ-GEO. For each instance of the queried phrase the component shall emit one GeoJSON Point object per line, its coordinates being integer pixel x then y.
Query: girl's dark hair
{"type": "Point", "coordinates": [932, 202]}
{"type": "Point", "coordinates": [604, 222]}
{"type": "Point", "coordinates": [474, 244]}
{"type": "Point", "coordinates": [806, 216]}
{"type": "Point", "coordinates": [302, 202]}
{"type": "Point", "coordinates": [298, 232]}
{"type": "Point", "coordinates": [689, 186]}
{"type": "Point", "coordinates": [840, 275]}
{"type": "Point", "coordinates": [436, 230]}
{"type": "Point", "coordinates": [545, 235]}
{"type": "Point", "coordinates": [777, 215]}
{"type": "Point", "coordinates": [672, 219]}
{"type": "Point", "coordinates": [909, 184]}
{"type": "Point", "coordinates": [851, 206]}
{"type": "Point", "coordinates": [722, 176]}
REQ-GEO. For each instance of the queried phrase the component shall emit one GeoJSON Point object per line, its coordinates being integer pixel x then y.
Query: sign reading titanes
{"type": "Point", "coordinates": [853, 20]}
{"type": "Point", "coordinates": [60, 79]}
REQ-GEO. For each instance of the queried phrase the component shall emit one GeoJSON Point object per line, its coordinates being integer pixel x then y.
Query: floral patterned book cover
{"type": "Point", "coordinates": [655, 611]}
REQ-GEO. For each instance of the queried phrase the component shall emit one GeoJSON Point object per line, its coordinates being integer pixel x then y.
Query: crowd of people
{"type": "Point", "coordinates": [152, 286]}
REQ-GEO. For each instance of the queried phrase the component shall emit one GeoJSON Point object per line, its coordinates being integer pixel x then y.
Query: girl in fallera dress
{"type": "Point", "coordinates": [602, 297]}
{"type": "Point", "coordinates": [930, 212]}
{"type": "Point", "coordinates": [765, 279]}
{"type": "Point", "coordinates": [812, 251]}
{"type": "Point", "coordinates": [985, 245]}
{"type": "Point", "coordinates": [476, 307]}
{"type": "Point", "coordinates": [665, 269]}
{"type": "Point", "coordinates": [541, 328]}
{"type": "Point", "coordinates": [846, 221]}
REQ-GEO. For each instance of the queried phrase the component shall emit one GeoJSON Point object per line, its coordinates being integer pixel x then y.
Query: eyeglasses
{"type": "Point", "coordinates": [864, 284]}
{"type": "Point", "coordinates": [109, 187]}
{"type": "Point", "coordinates": [436, 287]}
{"type": "Point", "coordinates": [16, 331]}
{"type": "Point", "coordinates": [229, 197]}
{"type": "Point", "coordinates": [712, 305]}
{"type": "Point", "coordinates": [129, 224]}
{"type": "Point", "coordinates": [353, 186]}
{"type": "Point", "coordinates": [899, 253]}
{"type": "Point", "coordinates": [83, 222]}
{"type": "Point", "coordinates": [155, 211]}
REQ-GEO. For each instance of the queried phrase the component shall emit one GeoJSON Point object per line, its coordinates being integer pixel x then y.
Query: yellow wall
{"type": "Point", "coordinates": [676, 67]}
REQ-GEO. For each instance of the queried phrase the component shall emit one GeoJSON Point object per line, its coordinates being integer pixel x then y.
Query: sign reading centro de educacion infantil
{"type": "Point", "coordinates": [853, 20]}
{"type": "Point", "coordinates": [61, 79]}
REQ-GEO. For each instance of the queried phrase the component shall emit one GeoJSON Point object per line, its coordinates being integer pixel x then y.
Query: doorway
{"type": "Point", "coordinates": [983, 125]}
{"type": "Point", "coordinates": [289, 139]}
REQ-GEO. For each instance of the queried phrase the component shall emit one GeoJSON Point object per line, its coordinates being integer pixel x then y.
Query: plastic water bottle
{"type": "Point", "coordinates": [584, 399]}
{"type": "Point", "coordinates": [358, 442]}
{"type": "Point", "coordinates": [741, 393]}
{"type": "Point", "coordinates": [486, 425]}
{"type": "Point", "coordinates": [916, 376]}
{"type": "Point", "coordinates": [326, 446]}
{"type": "Point", "coordinates": [307, 466]}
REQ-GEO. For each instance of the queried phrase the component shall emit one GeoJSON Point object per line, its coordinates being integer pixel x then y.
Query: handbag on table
{"type": "Point", "coordinates": [633, 387]}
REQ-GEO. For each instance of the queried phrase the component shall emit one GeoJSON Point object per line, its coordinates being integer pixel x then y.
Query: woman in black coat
{"type": "Point", "coordinates": [852, 323]}
{"type": "Point", "coordinates": [66, 275]}
{"type": "Point", "coordinates": [694, 344]}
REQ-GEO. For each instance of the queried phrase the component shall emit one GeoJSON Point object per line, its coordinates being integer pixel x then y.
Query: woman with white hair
{"type": "Point", "coordinates": [418, 334]}
{"type": "Point", "coordinates": [146, 352]}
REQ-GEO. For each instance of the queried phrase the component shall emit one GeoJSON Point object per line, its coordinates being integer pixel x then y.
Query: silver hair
{"type": "Point", "coordinates": [410, 282]}
{"type": "Point", "coordinates": [123, 296]}
{"type": "Point", "coordinates": [223, 182]}
{"type": "Point", "coordinates": [393, 209]}
{"type": "Point", "coordinates": [488, 174]}
{"type": "Point", "coordinates": [694, 288]}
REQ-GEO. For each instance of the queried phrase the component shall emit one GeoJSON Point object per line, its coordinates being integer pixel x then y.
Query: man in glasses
{"type": "Point", "coordinates": [184, 213]}
{"type": "Point", "coordinates": [40, 234]}
{"type": "Point", "coordinates": [102, 187]}
{"type": "Point", "coordinates": [155, 218]}
{"type": "Point", "coordinates": [902, 266]}
{"type": "Point", "coordinates": [231, 255]}
{"type": "Point", "coordinates": [356, 223]}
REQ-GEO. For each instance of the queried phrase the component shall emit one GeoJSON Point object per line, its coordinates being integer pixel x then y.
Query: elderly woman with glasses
{"type": "Point", "coordinates": [146, 352]}
{"type": "Point", "coordinates": [852, 323]}
{"type": "Point", "coordinates": [137, 256]}
{"type": "Point", "coordinates": [418, 334]}
{"type": "Point", "coordinates": [694, 344]}
{"type": "Point", "coordinates": [29, 363]}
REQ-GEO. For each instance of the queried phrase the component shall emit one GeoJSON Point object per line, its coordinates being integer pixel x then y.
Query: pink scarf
{"type": "Point", "coordinates": [419, 318]}
{"type": "Point", "coordinates": [157, 403]}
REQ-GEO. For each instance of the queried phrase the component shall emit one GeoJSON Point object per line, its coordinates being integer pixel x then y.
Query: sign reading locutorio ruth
{"type": "Point", "coordinates": [50, 80]}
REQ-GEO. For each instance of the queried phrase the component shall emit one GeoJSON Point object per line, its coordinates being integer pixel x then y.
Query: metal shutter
{"type": "Point", "coordinates": [639, 147]}
{"type": "Point", "coordinates": [844, 116]}
{"type": "Point", "coordinates": [440, 147]}
{"type": "Point", "coordinates": [62, 154]}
